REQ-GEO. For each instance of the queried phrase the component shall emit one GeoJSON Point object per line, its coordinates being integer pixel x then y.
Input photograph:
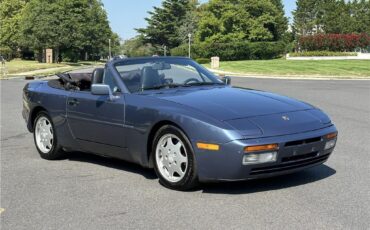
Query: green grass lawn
{"type": "Point", "coordinates": [20, 66]}
{"type": "Point", "coordinates": [337, 68]}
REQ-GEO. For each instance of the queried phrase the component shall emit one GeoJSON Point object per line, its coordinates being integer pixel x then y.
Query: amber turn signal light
{"type": "Point", "coordinates": [206, 146]}
{"type": "Point", "coordinates": [331, 135]}
{"type": "Point", "coordinates": [258, 148]}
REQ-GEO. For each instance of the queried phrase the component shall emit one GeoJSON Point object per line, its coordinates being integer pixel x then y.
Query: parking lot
{"type": "Point", "coordinates": [91, 192]}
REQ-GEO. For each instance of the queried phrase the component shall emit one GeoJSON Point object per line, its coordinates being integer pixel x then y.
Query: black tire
{"type": "Point", "coordinates": [190, 178]}
{"type": "Point", "coordinates": [56, 151]}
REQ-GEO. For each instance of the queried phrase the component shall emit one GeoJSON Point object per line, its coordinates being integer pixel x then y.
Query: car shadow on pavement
{"type": "Point", "coordinates": [111, 163]}
{"type": "Point", "coordinates": [242, 187]}
{"type": "Point", "coordinates": [280, 182]}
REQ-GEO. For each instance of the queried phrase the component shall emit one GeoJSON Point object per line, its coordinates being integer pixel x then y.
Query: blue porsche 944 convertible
{"type": "Point", "coordinates": [173, 115]}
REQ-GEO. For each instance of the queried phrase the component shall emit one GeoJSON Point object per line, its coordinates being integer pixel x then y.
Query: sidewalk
{"type": "Point", "coordinates": [40, 71]}
{"type": "Point", "coordinates": [46, 72]}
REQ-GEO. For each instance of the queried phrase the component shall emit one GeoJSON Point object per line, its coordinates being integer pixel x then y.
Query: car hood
{"type": "Point", "coordinates": [227, 103]}
{"type": "Point", "coordinates": [252, 113]}
{"type": "Point", "coordinates": [280, 123]}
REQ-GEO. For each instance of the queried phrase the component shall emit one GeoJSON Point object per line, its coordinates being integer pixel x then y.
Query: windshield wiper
{"type": "Point", "coordinates": [204, 83]}
{"type": "Point", "coordinates": [180, 85]}
{"type": "Point", "coordinates": [165, 86]}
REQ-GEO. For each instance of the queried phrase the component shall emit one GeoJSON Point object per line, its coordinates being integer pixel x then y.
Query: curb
{"type": "Point", "coordinates": [290, 77]}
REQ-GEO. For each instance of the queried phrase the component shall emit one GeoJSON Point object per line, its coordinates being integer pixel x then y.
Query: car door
{"type": "Point", "coordinates": [95, 120]}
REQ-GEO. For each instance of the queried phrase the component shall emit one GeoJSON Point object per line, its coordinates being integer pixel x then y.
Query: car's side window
{"type": "Point", "coordinates": [108, 79]}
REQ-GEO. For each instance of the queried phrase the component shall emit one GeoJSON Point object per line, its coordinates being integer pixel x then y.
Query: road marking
{"type": "Point", "coordinates": [2, 210]}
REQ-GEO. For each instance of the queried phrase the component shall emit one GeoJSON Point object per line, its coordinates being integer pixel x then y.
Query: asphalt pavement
{"type": "Point", "coordinates": [91, 192]}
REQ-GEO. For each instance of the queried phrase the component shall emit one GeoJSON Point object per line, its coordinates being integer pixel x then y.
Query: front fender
{"type": "Point", "coordinates": [142, 113]}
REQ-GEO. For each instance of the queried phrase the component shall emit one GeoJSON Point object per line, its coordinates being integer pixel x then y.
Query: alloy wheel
{"type": "Point", "coordinates": [44, 134]}
{"type": "Point", "coordinates": [171, 158]}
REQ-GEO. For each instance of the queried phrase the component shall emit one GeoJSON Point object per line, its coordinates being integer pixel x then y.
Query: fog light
{"type": "Point", "coordinates": [259, 158]}
{"type": "Point", "coordinates": [330, 144]}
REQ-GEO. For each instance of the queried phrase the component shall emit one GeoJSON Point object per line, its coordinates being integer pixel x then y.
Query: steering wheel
{"type": "Point", "coordinates": [191, 80]}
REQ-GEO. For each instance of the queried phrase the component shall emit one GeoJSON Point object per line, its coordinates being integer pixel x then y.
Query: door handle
{"type": "Point", "coordinates": [73, 102]}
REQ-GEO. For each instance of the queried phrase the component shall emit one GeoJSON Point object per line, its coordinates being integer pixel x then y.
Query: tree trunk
{"type": "Point", "coordinates": [40, 54]}
{"type": "Point", "coordinates": [56, 55]}
{"type": "Point", "coordinates": [43, 55]}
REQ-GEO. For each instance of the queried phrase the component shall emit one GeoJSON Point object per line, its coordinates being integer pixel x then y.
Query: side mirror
{"type": "Point", "coordinates": [226, 80]}
{"type": "Point", "coordinates": [101, 89]}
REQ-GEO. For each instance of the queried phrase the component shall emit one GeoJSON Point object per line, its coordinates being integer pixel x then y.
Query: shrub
{"type": "Point", "coordinates": [334, 42]}
{"type": "Point", "coordinates": [70, 56]}
{"type": "Point", "coordinates": [180, 51]}
{"type": "Point", "coordinates": [267, 50]}
{"type": "Point", "coordinates": [183, 51]}
{"type": "Point", "coordinates": [6, 52]}
{"type": "Point", "coordinates": [226, 51]}
{"type": "Point", "coordinates": [321, 54]}
{"type": "Point", "coordinates": [233, 50]}
{"type": "Point", "coordinates": [203, 60]}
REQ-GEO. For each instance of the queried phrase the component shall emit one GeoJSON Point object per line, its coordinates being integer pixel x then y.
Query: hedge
{"type": "Point", "coordinates": [233, 51]}
{"type": "Point", "coordinates": [203, 60]}
{"type": "Point", "coordinates": [321, 54]}
{"type": "Point", "coordinates": [183, 51]}
{"type": "Point", "coordinates": [334, 42]}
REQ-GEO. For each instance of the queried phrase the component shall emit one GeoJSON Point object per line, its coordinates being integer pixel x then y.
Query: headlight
{"type": "Point", "coordinates": [259, 158]}
{"type": "Point", "coordinates": [330, 144]}
{"type": "Point", "coordinates": [332, 140]}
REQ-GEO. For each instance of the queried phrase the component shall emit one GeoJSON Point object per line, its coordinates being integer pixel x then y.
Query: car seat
{"type": "Point", "coordinates": [149, 77]}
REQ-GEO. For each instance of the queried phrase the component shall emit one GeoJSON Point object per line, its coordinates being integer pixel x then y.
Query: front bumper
{"type": "Point", "coordinates": [296, 152]}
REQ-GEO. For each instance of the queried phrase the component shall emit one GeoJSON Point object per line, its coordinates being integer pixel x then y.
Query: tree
{"type": "Point", "coordinates": [189, 24]}
{"type": "Point", "coordinates": [281, 20]}
{"type": "Point", "coordinates": [332, 16]}
{"type": "Point", "coordinates": [73, 27]}
{"type": "Point", "coordinates": [306, 17]}
{"type": "Point", "coordinates": [242, 20]}
{"type": "Point", "coordinates": [97, 32]}
{"type": "Point", "coordinates": [10, 15]}
{"type": "Point", "coordinates": [360, 12]}
{"type": "Point", "coordinates": [164, 23]}
{"type": "Point", "coordinates": [136, 47]}
{"type": "Point", "coordinates": [336, 17]}
{"type": "Point", "coordinates": [36, 21]}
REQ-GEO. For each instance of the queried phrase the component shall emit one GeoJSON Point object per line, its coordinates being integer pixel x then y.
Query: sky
{"type": "Point", "coordinates": [124, 17]}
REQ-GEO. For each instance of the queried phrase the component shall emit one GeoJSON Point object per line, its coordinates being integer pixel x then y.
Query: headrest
{"type": "Point", "coordinates": [149, 77]}
{"type": "Point", "coordinates": [97, 76]}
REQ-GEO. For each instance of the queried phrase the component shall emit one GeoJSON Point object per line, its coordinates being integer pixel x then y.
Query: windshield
{"type": "Point", "coordinates": [158, 73]}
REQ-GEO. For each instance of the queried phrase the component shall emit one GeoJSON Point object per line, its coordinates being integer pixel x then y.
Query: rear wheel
{"type": "Point", "coordinates": [45, 138]}
{"type": "Point", "coordinates": [174, 161]}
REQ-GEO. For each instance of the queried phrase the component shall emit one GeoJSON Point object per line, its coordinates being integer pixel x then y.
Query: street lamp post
{"type": "Point", "coordinates": [165, 50]}
{"type": "Point", "coordinates": [189, 36]}
{"type": "Point", "coordinates": [110, 51]}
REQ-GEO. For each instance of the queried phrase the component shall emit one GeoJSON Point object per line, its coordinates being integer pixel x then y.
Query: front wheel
{"type": "Point", "coordinates": [45, 138]}
{"type": "Point", "coordinates": [174, 161]}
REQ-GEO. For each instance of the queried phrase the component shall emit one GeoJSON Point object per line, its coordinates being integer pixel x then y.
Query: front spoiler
{"type": "Point", "coordinates": [268, 175]}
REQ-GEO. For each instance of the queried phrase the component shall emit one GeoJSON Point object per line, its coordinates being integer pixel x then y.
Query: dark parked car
{"type": "Point", "coordinates": [173, 115]}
